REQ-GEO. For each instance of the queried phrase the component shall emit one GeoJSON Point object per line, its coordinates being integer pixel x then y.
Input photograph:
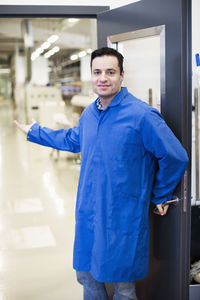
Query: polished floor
{"type": "Point", "coordinates": [37, 203]}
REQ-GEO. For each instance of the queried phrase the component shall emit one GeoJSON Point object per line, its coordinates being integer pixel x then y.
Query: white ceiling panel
{"type": "Point", "coordinates": [111, 3]}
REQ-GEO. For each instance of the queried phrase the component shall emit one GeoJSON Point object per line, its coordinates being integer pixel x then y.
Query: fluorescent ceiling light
{"type": "Point", "coordinates": [74, 57]}
{"type": "Point", "coordinates": [34, 55]}
{"type": "Point", "coordinates": [55, 49]}
{"type": "Point", "coordinates": [89, 51]}
{"type": "Point", "coordinates": [73, 20]}
{"type": "Point", "coordinates": [45, 45]}
{"type": "Point", "coordinates": [47, 55]}
{"type": "Point", "coordinates": [52, 38]}
{"type": "Point", "coordinates": [39, 50]}
{"type": "Point", "coordinates": [52, 52]}
{"type": "Point", "coordinates": [82, 54]}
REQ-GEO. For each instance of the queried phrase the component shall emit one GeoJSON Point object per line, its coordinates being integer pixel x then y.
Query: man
{"type": "Point", "coordinates": [129, 156]}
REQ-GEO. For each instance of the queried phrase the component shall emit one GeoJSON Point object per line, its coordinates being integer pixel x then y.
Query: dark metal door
{"type": "Point", "coordinates": [168, 277]}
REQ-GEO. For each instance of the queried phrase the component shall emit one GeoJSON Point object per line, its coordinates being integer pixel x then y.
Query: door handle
{"type": "Point", "coordinates": [174, 201]}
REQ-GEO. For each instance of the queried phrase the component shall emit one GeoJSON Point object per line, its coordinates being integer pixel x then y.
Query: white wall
{"type": "Point", "coordinates": [39, 71]}
{"type": "Point", "coordinates": [142, 67]}
{"type": "Point", "coordinates": [195, 40]}
{"type": "Point", "coordinates": [40, 75]}
{"type": "Point", "coordinates": [111, 3]}
{"type": "Point", "coordinates": [85, 69]}
{"type": "Point", "coordinates": [195, 83]}
{"type": "Point", "coordinates": [20, 69]}
{"type": "Point", "coordinates": [118, 3]}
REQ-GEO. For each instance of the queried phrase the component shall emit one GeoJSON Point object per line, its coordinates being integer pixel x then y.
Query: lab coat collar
{"type": "Point", "coordinates": [119, 97]}
{"type": "Point", "coordinates": [116, 100]}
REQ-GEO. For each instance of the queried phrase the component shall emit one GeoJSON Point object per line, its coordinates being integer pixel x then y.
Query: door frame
{"type": "Point", "coordinates": [143, 33]}
{"type": "Point", "coordinates": [48, 11]}
{"type": "Point", "coordinates": [177, 111]}
{"type": "Point", "coordinates": [51, 11]}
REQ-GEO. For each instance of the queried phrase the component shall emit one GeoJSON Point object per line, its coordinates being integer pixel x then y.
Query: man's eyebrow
{"type": "Point", "coordinates": [109, 69]}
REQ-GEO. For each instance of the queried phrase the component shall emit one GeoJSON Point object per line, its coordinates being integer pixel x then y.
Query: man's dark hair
{"type": "Point", "coordinates": [109, 52]}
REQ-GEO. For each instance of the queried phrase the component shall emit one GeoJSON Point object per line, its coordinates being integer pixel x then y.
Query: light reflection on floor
{"type": "Point", "coordinates": [37, 204]}
{"type": "Point", "coordinates": [32, 237]}
{"type": "Point", "coordinates": [27, 205]}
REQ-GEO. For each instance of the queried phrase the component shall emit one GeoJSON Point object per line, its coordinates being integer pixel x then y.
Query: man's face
{"type": "Point", "coordinates": [106, 77]}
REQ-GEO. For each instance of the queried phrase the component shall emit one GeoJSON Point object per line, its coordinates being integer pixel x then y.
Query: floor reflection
{"type": "Point", "coordinates": [37, 207]}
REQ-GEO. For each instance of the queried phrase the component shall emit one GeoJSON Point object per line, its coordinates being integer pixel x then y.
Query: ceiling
{"type": "Point", "coordinates": [72, 35]}
{"type": "Point", "coordinates": [111, 3]}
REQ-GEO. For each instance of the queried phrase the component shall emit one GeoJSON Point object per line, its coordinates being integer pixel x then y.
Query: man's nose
{"type": "Point", "coordinates": [103, 76]}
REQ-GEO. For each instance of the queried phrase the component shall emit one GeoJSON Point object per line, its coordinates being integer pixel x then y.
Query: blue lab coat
{"type": "Point", "coordinates": [129, 156]}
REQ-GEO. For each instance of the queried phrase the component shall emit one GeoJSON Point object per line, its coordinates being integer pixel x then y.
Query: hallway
{"type": "Point", "coordinates": [37, 204]}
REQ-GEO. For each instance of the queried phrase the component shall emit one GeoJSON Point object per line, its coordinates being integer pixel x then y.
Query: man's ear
{"type": "Point", "coordinates": [122, 76]}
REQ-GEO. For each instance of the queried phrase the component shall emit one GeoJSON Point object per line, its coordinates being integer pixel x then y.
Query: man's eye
{"type": "Point", "coordinates": [96, 72]}
{"type": "Point", "coordinates": [110, 72]}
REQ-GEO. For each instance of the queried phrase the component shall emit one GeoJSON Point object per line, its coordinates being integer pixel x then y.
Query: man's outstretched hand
{"type": "Point", "coordinates": [24, 127]}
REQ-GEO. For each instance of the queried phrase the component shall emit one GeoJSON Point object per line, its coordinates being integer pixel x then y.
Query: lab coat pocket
{"type": "Point", "coordinates": [126, 151]}
{"type": "Point", "coordinates": [125, 214]}
{"type": "Point", "coordinates": [126, 177]}
{"type": "Point", "coordinates": [123, 144]}
{"type": "Point", "coordinates": [126, 144]}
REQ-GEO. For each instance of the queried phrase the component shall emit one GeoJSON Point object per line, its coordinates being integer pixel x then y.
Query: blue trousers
{"type": "Point", "coordinates": [95, 290]}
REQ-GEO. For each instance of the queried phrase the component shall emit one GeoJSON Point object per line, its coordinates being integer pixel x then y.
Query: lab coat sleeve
{"type": "Point", "coordinates": [63, 139]}
{"type": "Point", "coordinates": [172, 158]}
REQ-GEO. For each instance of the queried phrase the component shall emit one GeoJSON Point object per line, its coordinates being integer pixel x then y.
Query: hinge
{"type": "Point", "coordinates": [185, 192]}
